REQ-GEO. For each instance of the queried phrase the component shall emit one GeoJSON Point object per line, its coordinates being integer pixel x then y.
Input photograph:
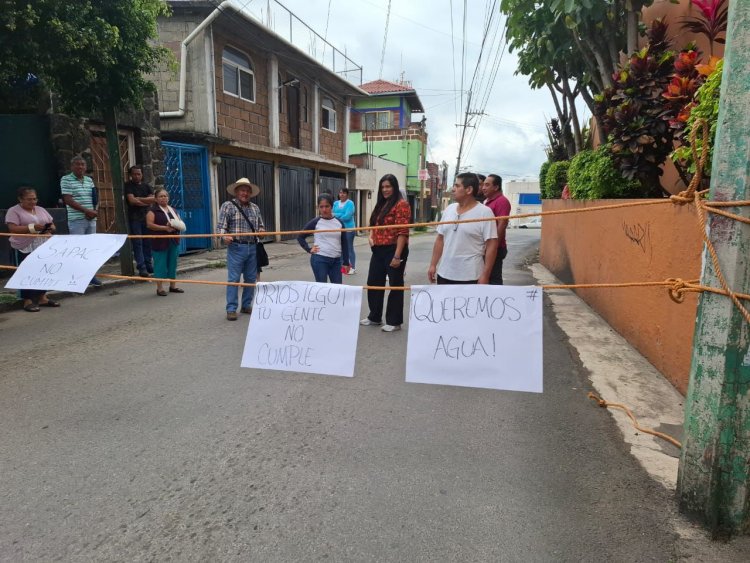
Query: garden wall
{"type": "Point", "coordinates": [648, 243]}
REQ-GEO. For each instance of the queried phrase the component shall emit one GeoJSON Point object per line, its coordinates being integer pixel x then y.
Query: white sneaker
{"type": "Point", "coordinates": [351, 271]}
{"type": "Point", "coordinates": [368, 322]}
{"type": "Point", "coordinates": [390, 328]}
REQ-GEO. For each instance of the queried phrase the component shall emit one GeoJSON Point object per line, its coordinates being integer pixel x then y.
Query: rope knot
{"type": "Point", "coordinates": [601, 402]}
{"type": "Point", "coordinates": [677, 289]}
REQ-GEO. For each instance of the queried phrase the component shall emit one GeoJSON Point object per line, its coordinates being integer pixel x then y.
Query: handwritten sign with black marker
{"type": "Point", "coordinates": [304, 327]}
{"type": "Point", "coordinates": [65, 262]}
{"type": "Point", "coordinates": [483, 336]}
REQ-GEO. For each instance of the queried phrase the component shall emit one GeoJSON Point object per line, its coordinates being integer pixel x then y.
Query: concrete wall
{"type": "Point", "coordinates": [511, 190]}
{"type": "Point", "coordinates": [649, 243]}
{"type": "Point", "coordinates": [199, 75]}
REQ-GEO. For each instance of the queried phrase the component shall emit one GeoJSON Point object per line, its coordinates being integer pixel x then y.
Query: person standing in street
{"type": "Point", "coordinates": [464, 253]}
{"type": "Point", "coordinates": [329, 250]}
{"type": "Point", "coordinates": [240, 215]}
{"type": "Point", "coordinates": [390, 249]}
{"type": "Point", "coordinates": [139, 197]}
{"type": "Point", "coordinates": [162, 220]}
{"type": "Point", "coordinates": [79, 195]}
{"type": "Point", "coordinates": [500, 206]}
{"type": "Point", "coordinates": [24, 218]}
{"type": "Point", "coordinates": [344, 211]}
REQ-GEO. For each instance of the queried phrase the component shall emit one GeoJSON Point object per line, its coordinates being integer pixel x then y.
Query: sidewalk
{"type": "Point", "coordinates": [188, 263]}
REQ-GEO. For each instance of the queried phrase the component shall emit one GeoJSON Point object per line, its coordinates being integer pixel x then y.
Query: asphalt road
{"type": "Point", "coordinates": [130, 432]}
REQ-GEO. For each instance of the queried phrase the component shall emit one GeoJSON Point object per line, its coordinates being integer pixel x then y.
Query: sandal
{"type": "Point", "coordinates": [176, 290]}
{"type": "Point", "coordinates": [31, 308]}
{"type": "Point", "coordinates": [49, 303]}
{"type": "Point", "coordinates": [161, 293]}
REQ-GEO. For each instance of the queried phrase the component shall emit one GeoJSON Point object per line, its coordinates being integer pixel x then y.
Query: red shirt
{"type": "Point", "coordinates": [400, 214]}
{"type": "Point", "coordinates": [501, 208]}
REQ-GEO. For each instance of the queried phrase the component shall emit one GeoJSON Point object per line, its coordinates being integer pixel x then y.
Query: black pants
{"type": "Point", "coordinates": [444, 281]}
{"type": "Point", "coordinates": [33, 294]}
{"type": "Point", "coordinates": [379, 269]}
{"type": "Point", "coordinates": [496, 277]}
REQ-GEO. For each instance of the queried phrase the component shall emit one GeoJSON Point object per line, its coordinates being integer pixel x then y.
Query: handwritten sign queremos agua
{"type": "Point", "coordinates": [484, 336]}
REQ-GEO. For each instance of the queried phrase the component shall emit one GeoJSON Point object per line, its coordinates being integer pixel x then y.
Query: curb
{"type": "Point", "coordinates": [17, 305]}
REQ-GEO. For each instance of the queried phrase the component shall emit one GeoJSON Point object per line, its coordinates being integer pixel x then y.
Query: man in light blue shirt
{"type": "Point", "coordinates": [344, 210]}
{"type": "Point", "coordinates": [78, 193]}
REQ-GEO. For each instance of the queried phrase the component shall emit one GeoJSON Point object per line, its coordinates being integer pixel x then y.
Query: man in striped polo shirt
{"type": "Point", "coordinates": [78, 192]}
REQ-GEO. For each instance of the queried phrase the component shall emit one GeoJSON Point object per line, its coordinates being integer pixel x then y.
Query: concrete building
{"type": "Point", "coordinates": [246, 102]}
{"type": "Point", "coordinates": [524, 197]}
{"type": "Point", "coordinates": [381, 125]}
{"type": "Point", "coordinates": [364, 181]}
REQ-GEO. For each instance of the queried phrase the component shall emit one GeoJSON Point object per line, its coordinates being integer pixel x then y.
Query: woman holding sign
{"type": "Point", "coordinates": [390, 249]}
{"type": "Point", "coordinates": [24, 218]}
{"type": "Point", "coordinates": [328, 248]}
{"type": "Point", "coordinates": [161, 219]}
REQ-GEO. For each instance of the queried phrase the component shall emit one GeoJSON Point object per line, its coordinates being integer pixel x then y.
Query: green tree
{"type": "Point", "coordinates": [94, 54]}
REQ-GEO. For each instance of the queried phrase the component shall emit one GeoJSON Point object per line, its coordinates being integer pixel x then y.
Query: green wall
{"type": "Point", "coordinates": [26, 158]}
{"type": "Point", "coordinates": [404, 152]}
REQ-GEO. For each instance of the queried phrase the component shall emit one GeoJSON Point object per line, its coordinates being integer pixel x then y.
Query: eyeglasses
{"type": "Point", "coordinates": [455, 225]}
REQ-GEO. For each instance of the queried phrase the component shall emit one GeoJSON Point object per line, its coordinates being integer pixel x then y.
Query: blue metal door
{"type": "Point", "coordinates": [186, 180]}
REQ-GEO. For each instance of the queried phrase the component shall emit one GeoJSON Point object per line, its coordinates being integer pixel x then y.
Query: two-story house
{"type": "Point", "coordinates": [245, 102]}
{"type": "Point", "coordinates": [381, 125]}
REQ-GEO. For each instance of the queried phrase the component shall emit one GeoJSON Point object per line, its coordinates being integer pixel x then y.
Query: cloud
{"type": "Point", "coordinates": [509, 139]}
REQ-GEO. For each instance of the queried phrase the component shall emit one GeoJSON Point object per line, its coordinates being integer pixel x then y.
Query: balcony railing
{"type": "Point", "coordinates": [282, 21]}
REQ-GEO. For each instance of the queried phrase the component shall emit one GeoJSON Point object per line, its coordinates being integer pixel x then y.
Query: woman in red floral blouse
{"type": "Point", "coordinates": [390, 249]}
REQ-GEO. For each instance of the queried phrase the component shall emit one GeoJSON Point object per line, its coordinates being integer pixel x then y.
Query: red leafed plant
{"type": "Point", "coordinates": [712, 22]}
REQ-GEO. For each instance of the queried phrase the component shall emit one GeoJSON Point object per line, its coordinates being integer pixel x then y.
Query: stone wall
{"type": "Point", "coordinates": [72, 136]}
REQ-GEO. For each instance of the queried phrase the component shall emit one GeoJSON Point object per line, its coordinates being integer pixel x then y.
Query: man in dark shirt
{"type": "Point", "coordinates": [139, 196]}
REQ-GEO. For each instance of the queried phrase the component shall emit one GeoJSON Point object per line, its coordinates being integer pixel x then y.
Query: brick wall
{"type": "Point", "coordinates": [413, 132]}
{"type": "Point", "coordinates": [332, 144]}
{"type": "Point", "coordinates": [237, 119]}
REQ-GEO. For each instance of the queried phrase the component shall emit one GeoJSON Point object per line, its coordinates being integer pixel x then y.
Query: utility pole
{"type": "Point", "coordinates": [714, 476]}
{"type": "Point", "coordinates": [463, 134]}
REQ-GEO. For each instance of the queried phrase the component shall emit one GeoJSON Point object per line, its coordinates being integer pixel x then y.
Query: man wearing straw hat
{"type": "Point", "coordinates": [236, 216]}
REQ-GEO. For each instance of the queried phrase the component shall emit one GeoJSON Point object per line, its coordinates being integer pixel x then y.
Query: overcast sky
{"type": "Point", "coordinates": [509, 139]}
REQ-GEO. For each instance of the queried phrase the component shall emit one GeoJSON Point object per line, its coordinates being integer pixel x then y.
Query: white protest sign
{"type": "Point", "coordinates": [304, 327]}
{"type": "Point", "coordinates": [65, 262]}
{"type": "Point", "coordinates": [486, 336]}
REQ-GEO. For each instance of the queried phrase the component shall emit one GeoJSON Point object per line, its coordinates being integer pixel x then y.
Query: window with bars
{"type": "Point", "coordinates": [328, 115]}
{"type": "Point", "coordinates": [239, 77]}
{"type": "Point", "coordinates": [377, 120]}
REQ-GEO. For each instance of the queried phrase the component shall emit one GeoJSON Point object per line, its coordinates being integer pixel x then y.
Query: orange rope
{"type": "Point", "coordinates": [607, 405]}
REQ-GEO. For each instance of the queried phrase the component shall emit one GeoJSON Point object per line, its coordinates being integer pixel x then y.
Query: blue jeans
{"type": "Point", "coordinates": [325, 268]}
{"type": "Point", "coordinates": [350, 246]}
{"type": "Point", "coordinates": [82, 226]}
{"type": "Point", "coordinates": [241, 262]}
{"type": "Point", "coordinates": [141, 247]}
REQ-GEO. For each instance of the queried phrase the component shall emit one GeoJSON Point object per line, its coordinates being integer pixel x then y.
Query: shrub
{"type": "Point", "coordinates": [706, 107]}
{"type": "Point", "coordinates": [555, 179]}
{"type": "Point", "coordinates": [592, 175]}
{"type": "Point", "coordinates": [542, 175]}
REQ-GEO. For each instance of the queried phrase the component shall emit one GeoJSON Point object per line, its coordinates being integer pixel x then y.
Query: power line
{"type": "Point", "coordinates": [385, 39]}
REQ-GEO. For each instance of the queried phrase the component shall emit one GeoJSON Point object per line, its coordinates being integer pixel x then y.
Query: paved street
{"type": "Point", "coordinates": [129, 432]}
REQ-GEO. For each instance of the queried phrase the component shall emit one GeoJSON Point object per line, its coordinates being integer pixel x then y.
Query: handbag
{"type": "Point", "coordinates": [261, 256]}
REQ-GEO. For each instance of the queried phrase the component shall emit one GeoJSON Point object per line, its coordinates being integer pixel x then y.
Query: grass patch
{"type": "Point", "coordinates": [7, 298]}
{"type": "Point", "coordinates": [217, 265]}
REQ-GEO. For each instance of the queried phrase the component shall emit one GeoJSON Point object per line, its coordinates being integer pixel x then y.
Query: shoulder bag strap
{"type": "Point", "coordinates": [249, 222]}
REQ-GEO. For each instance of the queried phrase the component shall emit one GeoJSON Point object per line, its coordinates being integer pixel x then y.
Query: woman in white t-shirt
{"type": "Point", "coordinates": [24, 218]}
{"type": "Point", "coordinates": [329, 250]}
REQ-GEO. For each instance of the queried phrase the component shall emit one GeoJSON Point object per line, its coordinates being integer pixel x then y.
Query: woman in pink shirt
{"type": "Point", "coordinates": [28, 217]}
